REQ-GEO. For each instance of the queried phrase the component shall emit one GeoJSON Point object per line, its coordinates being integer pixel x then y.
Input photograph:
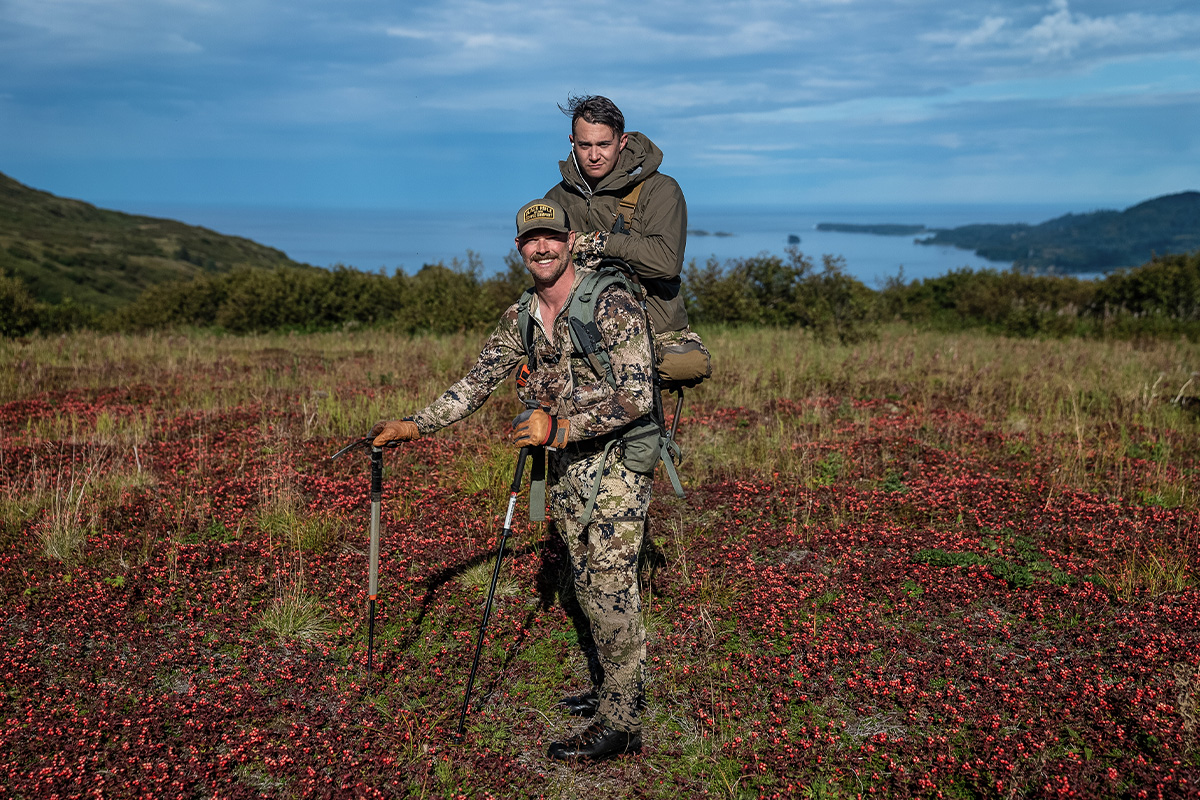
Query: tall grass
{"type": "Point", "coordinates": [1095, 407]}
{"type": "Point", "coordinates": [1091, 405]}
{"type": "Point", "coordinates": [296, 615]}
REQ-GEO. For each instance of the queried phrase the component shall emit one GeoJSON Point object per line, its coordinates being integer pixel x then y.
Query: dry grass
{"type": "Point", "coordinates": [284, 520]}
{"type": "Point", "coordinates": [1088, 407]}
{"type": "Point", "coordinates": [1187, 698]}
{"type": "Point", "coordinates": [479, 577]}
{"type": "Point", "coordinates": [1164, 570]}
{"type": "Point", "coordinates": [295, 615]}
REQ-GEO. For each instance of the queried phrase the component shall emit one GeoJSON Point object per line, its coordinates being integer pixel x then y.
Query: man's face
{"type": "Point", "coordinates": [597, 148]}
{"type": "Point", "coordinates": [547, 254]}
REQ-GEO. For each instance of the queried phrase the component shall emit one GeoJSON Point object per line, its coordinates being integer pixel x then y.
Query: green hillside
{"type": "Point", "coordinates": [1094, 242]}
{"type": "Point", "coordinates": [65, 249]}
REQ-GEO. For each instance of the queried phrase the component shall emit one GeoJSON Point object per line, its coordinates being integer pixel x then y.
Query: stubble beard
{"type": "Point", "coordinates": [546, 274]}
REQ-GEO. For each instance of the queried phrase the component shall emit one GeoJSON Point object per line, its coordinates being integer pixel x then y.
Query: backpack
{"type": "Point", "coordinates": [646, 440]}
{"type": "Point", "coordinates": [680, 356]}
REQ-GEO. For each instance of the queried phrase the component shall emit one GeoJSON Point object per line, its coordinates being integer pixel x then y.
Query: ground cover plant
{"type": "Point", "coordinates": [926, 564]}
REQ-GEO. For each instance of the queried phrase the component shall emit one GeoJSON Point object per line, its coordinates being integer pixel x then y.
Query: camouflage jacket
{"type": "Point", "coordinates": [566, 386]}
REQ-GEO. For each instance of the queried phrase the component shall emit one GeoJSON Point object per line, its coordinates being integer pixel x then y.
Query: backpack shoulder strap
{"type": "Point", "coordinates": [525, 325]}
{"type": "Point", "coordinates": [581, 315]}
{"type": "Point", "coordinates": [628, 204]}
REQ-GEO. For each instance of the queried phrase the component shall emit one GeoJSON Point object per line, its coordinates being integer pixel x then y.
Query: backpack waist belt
{"type": "Point", "coordinates": [583, 449]}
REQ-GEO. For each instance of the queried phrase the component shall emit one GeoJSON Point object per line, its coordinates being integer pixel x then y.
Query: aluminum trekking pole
{"type": "Point", "coordinates": [373, 581]}
{"type": "Point", "coordinates": [376, 501]}
{"type": "Point", "coordinates": [512, 502]}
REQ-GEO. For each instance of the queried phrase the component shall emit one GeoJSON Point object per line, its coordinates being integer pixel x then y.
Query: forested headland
{"type": "Point", "coordinates": [1094, 242]}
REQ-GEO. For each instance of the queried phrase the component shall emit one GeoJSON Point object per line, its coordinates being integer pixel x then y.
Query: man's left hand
{"type": "Point", "coordinates": [536, 427]}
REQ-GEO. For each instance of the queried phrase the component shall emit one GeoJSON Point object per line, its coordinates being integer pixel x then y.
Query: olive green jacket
{"type": "Point", "coordinates": [655, 241]}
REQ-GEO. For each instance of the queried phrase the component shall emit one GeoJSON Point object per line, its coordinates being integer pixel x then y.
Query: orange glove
{"type": "Point", "coordinates": [536, 427]}
{"type": "Point", "coordinates": [396, 430]}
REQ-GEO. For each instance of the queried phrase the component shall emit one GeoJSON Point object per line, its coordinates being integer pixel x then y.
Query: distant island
{"type": "Point", "coordinates": [702, 232]}
{"type": "Point", "coordinates": [877, 230]}
{"type": "Point", "coordinates": [1098, 241]}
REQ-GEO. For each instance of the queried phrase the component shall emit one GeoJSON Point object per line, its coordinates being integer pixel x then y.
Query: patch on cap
{"type": "Point", "coordinates": [538, 211]}
{"type": "Point", "coordinates": [542, 215]}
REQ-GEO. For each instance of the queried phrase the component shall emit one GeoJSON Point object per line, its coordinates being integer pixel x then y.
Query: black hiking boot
{"type": "Point", "coordinates": [582, 705]}
{"type": "Point", "coordinates": [596, 743]}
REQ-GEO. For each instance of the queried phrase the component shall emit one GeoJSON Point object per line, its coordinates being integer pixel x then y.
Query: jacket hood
{"type": "Point", "coordinates": [639, 160]}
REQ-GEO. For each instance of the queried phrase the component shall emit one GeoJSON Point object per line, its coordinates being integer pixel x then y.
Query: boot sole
{"type": "Point", "coordinates": [595, 759]}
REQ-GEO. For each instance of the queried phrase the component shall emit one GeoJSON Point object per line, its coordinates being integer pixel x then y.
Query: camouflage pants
{"type": "Point", "coordinates": [604, 562]}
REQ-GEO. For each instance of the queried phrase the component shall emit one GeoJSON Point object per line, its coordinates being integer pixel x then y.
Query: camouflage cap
{"type": "Point", "coordinates": [542, 215]}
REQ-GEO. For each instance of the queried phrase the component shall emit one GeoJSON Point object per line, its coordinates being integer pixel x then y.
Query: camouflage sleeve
{"type": "Point", "coordinates": [623, 327]}
{"type": "Point", "coordinates": [501, 352]}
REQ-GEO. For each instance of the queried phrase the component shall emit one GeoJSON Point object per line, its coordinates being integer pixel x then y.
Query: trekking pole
{"type": "Point", "coordinates": [373, 580]}
{"type": "Point", "coordinates": [487, 607]}
{"type": "Point", "coordinates": [678, 411]}
{"type": "Point", "coordinates": [376, 501]}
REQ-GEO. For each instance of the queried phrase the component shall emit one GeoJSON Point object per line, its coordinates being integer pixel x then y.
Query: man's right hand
{"type": "Point", "coordinates": [396, 430]}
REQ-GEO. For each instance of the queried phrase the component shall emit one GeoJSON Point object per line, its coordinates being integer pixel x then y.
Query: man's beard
{"type": "Point", "coordinates": [538, 270]}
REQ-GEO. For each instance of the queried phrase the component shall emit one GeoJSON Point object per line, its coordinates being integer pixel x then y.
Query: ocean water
{"type": "Point", "coordinates": [392, 239]}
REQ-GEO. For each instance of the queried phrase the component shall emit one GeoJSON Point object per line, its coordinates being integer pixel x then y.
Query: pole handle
{"type": "Point", "coordinates": [520, 471]}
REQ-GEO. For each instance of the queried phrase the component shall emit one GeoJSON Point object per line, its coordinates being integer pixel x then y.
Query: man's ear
{"type": "Point", "coordinates": [571, 241]}
{"type": "Point", "coordinates": [624, 141]}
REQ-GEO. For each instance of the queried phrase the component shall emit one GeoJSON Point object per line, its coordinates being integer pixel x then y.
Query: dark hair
{"type": "Point", "coordinates": [594, 109]}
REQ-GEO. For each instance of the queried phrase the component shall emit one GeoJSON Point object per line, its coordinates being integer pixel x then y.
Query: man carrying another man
{"type": "Point", "coordinates": [575, 413]}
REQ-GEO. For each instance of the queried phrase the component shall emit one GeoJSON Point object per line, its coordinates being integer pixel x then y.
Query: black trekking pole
{"type": "Point", "coordinates": [678, 411]}
{"type": "Point", "coordinates": [512, 502]}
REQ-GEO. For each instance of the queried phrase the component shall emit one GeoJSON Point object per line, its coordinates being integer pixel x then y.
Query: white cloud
{"type": "Point", "coordinates": [57, 32]}
{"type": "Point", "coordinates": [406, 33]}
{"type": "Point", "coordinates": [985, 33]}
{"type": "Point", "coordinates": [176, 43]}
{"type": "Point", "coordinates": [1055, 34]}
{"type": "Point", "coordinates": [743, 85]}
{"type": "Point", "coordinates": [1060, 33]}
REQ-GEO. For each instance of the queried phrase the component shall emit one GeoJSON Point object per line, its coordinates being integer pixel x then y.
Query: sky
{"type": "Point", "coordinates": [452, 106]}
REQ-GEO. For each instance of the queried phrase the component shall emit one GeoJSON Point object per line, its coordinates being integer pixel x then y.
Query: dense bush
{"type": "Point", "coordinates": [768, 290]}
{"type": "Point", "coordinates": [1161, 297]}
{"type": "Point", "coordinates": [1167, 288]}
{"type": "Point", "coordinates": [21, 314]}
{"type": "Point", "coordinates": [438, 299]}
{"type": "Point", "coordinates": [1010, 302]}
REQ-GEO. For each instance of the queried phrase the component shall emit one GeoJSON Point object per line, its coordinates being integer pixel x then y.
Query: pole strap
{"type": "Point", "coordinates": [537, 486]}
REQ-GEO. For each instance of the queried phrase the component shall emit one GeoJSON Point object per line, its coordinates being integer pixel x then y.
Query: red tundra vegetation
{"type": "Point", "coordinates": [887, 579]}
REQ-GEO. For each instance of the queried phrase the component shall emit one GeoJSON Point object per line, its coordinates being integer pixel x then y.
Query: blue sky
{"type": "Point", "coordinates": [452, 105]}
